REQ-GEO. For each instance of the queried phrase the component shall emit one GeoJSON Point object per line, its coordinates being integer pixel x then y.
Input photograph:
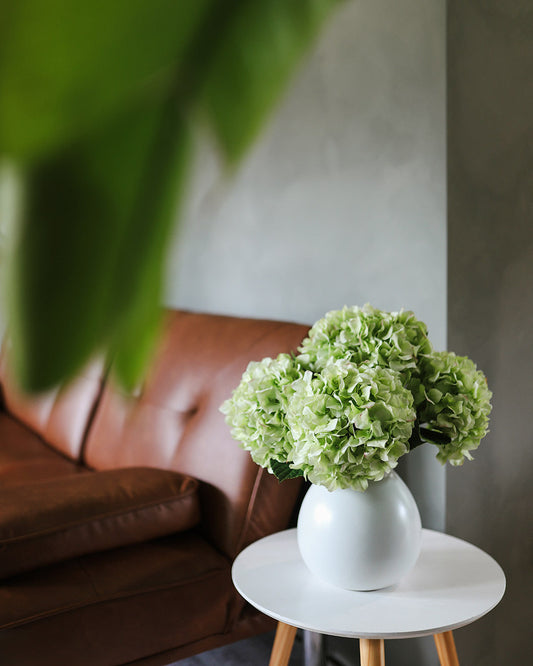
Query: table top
{"type": "Point", "coordinates": [452, 584]}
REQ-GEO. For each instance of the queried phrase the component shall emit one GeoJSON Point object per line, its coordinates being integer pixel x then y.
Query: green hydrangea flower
{"type": "Point", "coordinates": [394, 340]}
{"type": "Point", "coordinates": [256, 411]}
{"type": "Point", "coordinates": [349, 424]}
{"type": "Point", "coordinates": [365, 389]}
{"type": "Point", "coordinates": [453, 404]}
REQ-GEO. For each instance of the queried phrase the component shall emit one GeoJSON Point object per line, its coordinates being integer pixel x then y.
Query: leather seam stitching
{"type": "Point", "coordinates": [100, 517]}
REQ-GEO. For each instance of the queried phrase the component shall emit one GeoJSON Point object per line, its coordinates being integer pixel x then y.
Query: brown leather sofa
{"type": "Point", "coordinates": [120, 514]}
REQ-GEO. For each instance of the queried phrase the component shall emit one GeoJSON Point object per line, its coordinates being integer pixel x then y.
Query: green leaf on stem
{"type": "Point", "coordinates": [283, 472]}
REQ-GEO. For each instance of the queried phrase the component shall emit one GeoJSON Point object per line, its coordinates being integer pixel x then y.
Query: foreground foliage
{"type": "Point", "coordinates": [98, 100]}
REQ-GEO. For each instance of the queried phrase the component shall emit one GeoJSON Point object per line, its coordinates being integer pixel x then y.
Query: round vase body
{"type": "Point", "coordinates": [360, 540]}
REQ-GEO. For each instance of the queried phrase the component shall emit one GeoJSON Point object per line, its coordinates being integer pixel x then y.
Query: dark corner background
{"type": "Point", "coordinates": [490, 299]}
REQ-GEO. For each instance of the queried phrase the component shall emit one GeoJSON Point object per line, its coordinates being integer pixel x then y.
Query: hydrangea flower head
{"type": "Point", "coordinates": [349, 424]}
{"type": "Point", "coordinates": [365, 388]}
{"type": "Point", "coordinates": [454, 405]}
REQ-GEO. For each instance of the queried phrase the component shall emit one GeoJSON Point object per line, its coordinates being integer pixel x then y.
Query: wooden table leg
{"type": "Point", "coordinates": [372, 651]}
{"type": "Point", "coordinates": [281, 651]}
{"type": "Point", "coordinates": [446, 649]}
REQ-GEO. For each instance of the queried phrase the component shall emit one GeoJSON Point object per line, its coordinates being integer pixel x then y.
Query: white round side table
{"type": "Point", "coordinates": [452, 584]}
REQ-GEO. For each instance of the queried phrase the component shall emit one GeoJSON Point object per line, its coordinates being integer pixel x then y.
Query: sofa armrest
{"type": "Point", "coordinates": [55, 520]}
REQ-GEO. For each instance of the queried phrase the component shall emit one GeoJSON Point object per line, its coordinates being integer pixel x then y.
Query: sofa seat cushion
{"type": "Point", "coordinates": [118, 606]}
{"type": "Point", "coordinates": [24, 456]}
{"type": "Point", "coordinates": [50, 521]}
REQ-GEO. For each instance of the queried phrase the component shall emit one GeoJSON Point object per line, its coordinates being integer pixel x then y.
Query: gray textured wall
{"type": "Point", "coordinates": [343, 199]}
{"type": "Point", "coordinates": [490, 126]}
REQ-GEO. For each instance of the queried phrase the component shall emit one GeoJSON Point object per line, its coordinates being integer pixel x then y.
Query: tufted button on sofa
{"type": "Point", "coordinates": [121, 514]}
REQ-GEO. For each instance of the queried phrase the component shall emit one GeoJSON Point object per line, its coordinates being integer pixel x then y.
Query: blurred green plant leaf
{"type": "Point", "coordinates": [86, 270]}
{"type": "Point", "coordinates": [262, 43]}
{"type": "Point", "coordinates": [97, 102]}
{"type": "Point", "coordinates": [66, 66]}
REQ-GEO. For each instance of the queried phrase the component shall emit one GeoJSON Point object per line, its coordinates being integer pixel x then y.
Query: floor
{"type": "Point", "coordinates": [250, 652]}
{"type": "Point", "coordinates": [256, 652]}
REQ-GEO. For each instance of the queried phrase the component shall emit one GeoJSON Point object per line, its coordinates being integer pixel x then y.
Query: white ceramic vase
{"type": "Point", "coordinates": [360, 540]}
